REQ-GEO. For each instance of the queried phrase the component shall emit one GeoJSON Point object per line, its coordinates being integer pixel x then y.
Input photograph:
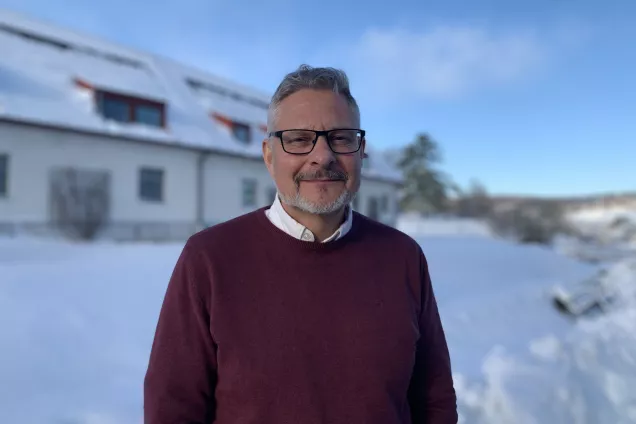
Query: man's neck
{"type": "Point", "coordinates": [322, 226]}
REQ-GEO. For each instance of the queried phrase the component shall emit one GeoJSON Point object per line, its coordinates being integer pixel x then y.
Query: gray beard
{"type": "Point", "coordinates": [299, 202]}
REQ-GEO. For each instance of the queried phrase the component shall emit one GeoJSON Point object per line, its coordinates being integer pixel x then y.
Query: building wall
{"type": "Point", "coordinates": [223, 186]}
{"type": "Point", "coordinates": [374, 191]}
{"type": "Point", "coordinates": [34, 152]}
{"type": "Point", "coordinates": [224, 190]}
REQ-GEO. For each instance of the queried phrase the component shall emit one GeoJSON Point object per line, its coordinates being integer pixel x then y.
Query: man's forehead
{"type": "Point", "coordinates": [311, 107]}
{"type": "Point", "coordinates": [297, 105]}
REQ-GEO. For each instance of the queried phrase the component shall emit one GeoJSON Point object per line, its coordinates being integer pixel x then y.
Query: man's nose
{"type": "Point", "coordinates": [322, 153]}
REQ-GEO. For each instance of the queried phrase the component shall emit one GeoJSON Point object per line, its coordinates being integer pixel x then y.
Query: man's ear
{"type": "Point", "coordinates": [268, 155]}
{"type": "Point", "coordinates": [363, 146]}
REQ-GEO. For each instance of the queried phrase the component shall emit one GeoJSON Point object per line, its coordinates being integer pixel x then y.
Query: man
{"type": "Point", "coordinates": [305, 312]}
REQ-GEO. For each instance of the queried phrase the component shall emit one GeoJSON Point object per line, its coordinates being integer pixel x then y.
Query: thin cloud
{"type": "Point", "coordinates": [391, 65]}
{"type": "Point", "coordinates": [442, 62]}
{"type": "Point", "coordinates": [446, 61]}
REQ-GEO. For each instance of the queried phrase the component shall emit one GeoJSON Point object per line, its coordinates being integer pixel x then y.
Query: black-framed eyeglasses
{"type": "Point", "coordinates": [302, 142]}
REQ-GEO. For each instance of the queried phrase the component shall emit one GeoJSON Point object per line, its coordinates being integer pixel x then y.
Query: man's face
{"type": "Point", "coordinates": [320, 182]}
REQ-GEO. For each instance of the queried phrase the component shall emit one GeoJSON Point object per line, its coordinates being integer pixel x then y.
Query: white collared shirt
{"type": "Point", "coordinates": [281, 219]}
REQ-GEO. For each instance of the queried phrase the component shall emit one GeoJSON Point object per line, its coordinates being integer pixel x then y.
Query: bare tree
{"type": "Point", "coordinates": [530, 222]}
{"type": "Point", "coordinates": [80, 201]}
{"type": "Point", "coordinates": [475, 203]}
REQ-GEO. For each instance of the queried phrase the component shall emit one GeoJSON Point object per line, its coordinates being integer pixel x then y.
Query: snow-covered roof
{"type": "Point", "coordinates": [48, 75]}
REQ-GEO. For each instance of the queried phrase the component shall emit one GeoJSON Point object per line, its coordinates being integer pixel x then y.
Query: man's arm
{"type": "Point", "coordinates": [431, 395]}
{"type": "Point", "coordinates": [179, 382]}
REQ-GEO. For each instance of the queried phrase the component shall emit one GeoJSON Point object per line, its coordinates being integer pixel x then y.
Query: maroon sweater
{"type": "Point", "coordinates": [258, 327]}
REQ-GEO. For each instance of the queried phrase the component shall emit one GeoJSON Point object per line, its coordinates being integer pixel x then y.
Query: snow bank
{"type": "Point", "coordinates": [607, 225]}
{"type": "Point", "coordinates": [603, 214]}
{"type": "Point", "coordinates": [586, 376]}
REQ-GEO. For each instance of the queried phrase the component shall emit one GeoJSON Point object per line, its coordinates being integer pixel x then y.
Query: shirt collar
{"type": "Point", "coordinates": [280, 218]}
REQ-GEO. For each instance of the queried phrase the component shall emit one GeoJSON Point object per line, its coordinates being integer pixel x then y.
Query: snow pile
{"type": "Point", "coordinates": [603, 234]}
{"type": "Point", "coordinates": [620, 280]}
{"type": "Point", "coordinates": [593, 251]}
{"type": "Point", "coordinates": [606, 225]}
{"type": "Point", "coordinates": [603, 214]}
{"type": "Point", "coordinates": [588, 376]}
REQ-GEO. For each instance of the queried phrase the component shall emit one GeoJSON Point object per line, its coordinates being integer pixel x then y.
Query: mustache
{"type": "Point", "coordinates": [324, 174]}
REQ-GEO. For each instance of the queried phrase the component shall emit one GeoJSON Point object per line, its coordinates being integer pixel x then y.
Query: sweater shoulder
{"type": "Point", "coordinates": [226, 233]}
{"type": "Point", "coordinates": [391, 237]}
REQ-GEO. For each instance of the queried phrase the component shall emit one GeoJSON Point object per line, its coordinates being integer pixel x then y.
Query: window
{"type": "Point", "coordinates": [241, 132]}
{"type": "Point", "coordinates": [366, 162]}
{"type": "Point", "coordinates": [372, 208]}
{"type": "Point", "coordinates": [115, 109]}
{"type": "Point", "coordinates": [384, 203]}
{"type": "Point", "coordinates": [4, 174]}
{"type": "Point", "coordinates": [249, 193]}
{"type": "Point", "coordinates": [127, 109]}
{"type": "Point", "coordinates": [149, 115]}
{"type": "Point", "coordinates": [151, 184]}
{"type": "Point", "coordinates": [62, 45]}
{"type": "Point", "coordinates": [271, 194]}
{"type": "Point", "coordinates": [356, 202]}
{"type": "Point", "coordinates": [34, 37]}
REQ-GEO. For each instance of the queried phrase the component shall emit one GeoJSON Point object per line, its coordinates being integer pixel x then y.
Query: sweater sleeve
{"type": "Point", "coordinates": [432, 397]}
{"type": "Point", "coordinates": [180, 379]}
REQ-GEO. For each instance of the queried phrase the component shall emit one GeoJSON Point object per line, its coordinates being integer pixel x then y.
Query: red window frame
{"type": "Point", "coordinates": [132, 102]}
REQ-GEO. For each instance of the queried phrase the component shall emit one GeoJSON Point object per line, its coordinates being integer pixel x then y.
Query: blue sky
{"type": "Point", "coordinates": [529, 97]}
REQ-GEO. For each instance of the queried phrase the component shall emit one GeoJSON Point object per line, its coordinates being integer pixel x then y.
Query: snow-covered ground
{"type": "Point", "coordinates": [447, 226]}
{"type": "Point", "coordinates": [608, 225]}
{"type": "Point", "coordinates": [603, 214]}
{"type": "Point", "coordinates": [78, 321]}
{"type": "Point", "coordinates": [583, 375]}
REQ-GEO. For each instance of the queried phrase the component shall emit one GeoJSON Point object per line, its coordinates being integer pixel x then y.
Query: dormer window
{"type": "Point", "coordinates": [149, 115]}
{"type": "Point", "coordinates": [240, 130]}
{"type": "Point", "coordinates": [128, 109]}
{"type": "Point", "coordinates": [114, 108]}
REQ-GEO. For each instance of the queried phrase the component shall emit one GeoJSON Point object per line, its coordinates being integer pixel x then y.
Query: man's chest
{"type": "Point", "coordinates": [320, 328]}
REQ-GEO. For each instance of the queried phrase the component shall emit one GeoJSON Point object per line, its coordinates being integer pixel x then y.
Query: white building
{"type": "Point", "coordinates": [175, 148]}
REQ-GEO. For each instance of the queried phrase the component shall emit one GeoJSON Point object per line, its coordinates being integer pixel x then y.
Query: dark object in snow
{"type": "Point", "coordinates": [586, 299]}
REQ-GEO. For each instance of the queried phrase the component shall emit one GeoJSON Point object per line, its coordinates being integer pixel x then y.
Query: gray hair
{"type": "Point", "coordinates": [307, 77]}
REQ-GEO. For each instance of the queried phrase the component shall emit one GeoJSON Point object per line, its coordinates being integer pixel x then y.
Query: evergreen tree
{"type": "Point", "coordinates": [425, 189]}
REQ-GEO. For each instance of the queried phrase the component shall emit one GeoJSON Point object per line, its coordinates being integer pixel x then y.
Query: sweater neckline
{"type": "Point", "coordinates": [293, 242]}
